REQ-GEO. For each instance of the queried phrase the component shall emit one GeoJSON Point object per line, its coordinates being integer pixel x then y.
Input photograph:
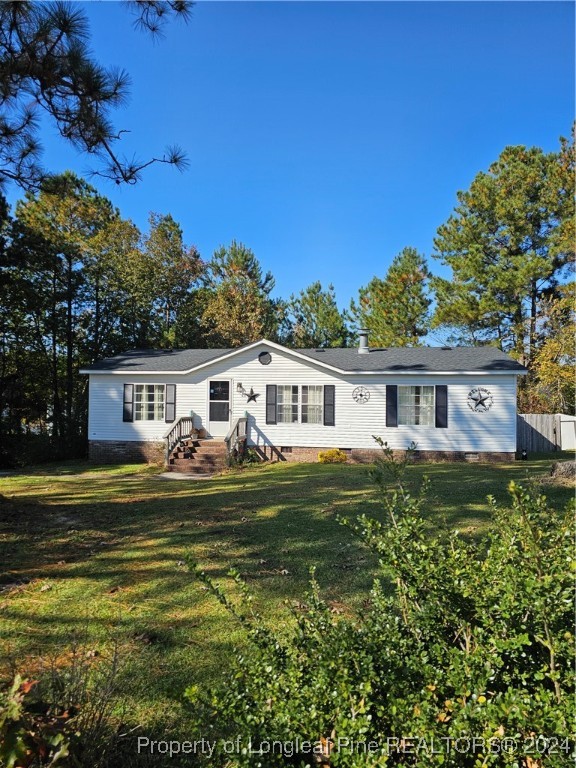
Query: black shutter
{"type": "Point", "coordinates": [329, 397]}
{"type": "Point", "coordinates": [170, 405]}
{"type": "Point", "coordinates": [442, 406]}
{"type": "Point", "coordinates": [270, 403]}
{"type": "Point", "coordinates": [128, 410]}
{"type": "Point", "coordinates": [391, 405]}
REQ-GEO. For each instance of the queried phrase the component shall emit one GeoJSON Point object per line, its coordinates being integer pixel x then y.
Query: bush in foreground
{"type": "Point", "coordinates": [463, 657]}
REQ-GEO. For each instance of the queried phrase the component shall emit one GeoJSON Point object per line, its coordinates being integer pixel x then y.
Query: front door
{"type": "Point", "coordinates": [219, 407]}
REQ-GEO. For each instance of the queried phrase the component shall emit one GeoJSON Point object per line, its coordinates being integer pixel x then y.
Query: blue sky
{"type": "Point", "coordinates": [327, 136]}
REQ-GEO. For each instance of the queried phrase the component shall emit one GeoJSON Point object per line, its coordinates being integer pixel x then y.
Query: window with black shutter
{"type": "Point", "coordinates": [300, 404]}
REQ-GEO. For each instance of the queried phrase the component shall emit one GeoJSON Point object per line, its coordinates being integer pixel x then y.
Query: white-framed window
{"type": "Point", "coordinates": [416, 406]}
{"type": "Point", "coordinates": [149, 402]}
{"type": "Point", "coordinates": [287, 404]}
{"type": "Point", "coordinates": [299, 404]}
{"type": "Point", "coordinates": [312, 404]}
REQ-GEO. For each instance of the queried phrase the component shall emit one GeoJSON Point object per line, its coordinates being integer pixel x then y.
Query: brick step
{"type": "Point", "coordinates": [191, 468]}
{"type": "Point", "coordinates": [193, 453]}
{"type": "Point", "coordinates": [204, 463]}
{"type": "Point", "coordinates": [213, 445]}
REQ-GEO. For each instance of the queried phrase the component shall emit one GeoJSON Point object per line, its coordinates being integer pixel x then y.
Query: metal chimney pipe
{"type": "Point", "coordinates": [363, 341]}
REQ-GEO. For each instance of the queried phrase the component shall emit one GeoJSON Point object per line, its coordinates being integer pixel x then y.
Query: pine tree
{"type": "Point", "coordinates": [237, 304]}
{"type": "Point", "coordinates": [509, 243]}
{"type": "Point", "coordinates": [550, 385]}
{"type": "Point", "coordinates": [394, 310]}
{"type": "Point", "coordinates": [315, 318]}
{"type": "Point", "coordinates": [173, 270]}
{"type": "Point", "coordinates": [46, 68]}
{"type": "Point", "coordinates": [49, 265]}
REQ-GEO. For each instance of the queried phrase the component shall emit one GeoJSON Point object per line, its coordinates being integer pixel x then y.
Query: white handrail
{"type": "Point", "coordinates": [237, 430]}
{"type": "Point", "coordinates": [174, 424]}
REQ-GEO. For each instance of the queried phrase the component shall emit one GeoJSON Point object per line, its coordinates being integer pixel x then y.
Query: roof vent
{"type": "Point", "coordinates": [363, 341]}
{"type": "Point", "coordinates": [445, 347]}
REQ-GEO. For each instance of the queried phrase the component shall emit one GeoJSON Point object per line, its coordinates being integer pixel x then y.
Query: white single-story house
{"type": "Point", "coordinates": [453, 402]}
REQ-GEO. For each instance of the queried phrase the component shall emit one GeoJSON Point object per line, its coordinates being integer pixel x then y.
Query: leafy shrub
{"type": "Point", "coordinates": [332, 456]}
{"type": "Point", "coordinates": [64, 718]}
{"type": "Point", "coordinates": [252, 456]}
{"type": "Point", "coordinates": [466, 649]}
{"type": "Point", "coordinates": [24, 735]}
{"type": "Point", "coordinates": [242, 456]}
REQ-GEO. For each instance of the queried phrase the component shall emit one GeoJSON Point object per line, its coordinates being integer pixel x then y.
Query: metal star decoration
{"type": "Point", "coordinates": [480, 399]}
{"type": "Point", "coordinates": [252, 396]}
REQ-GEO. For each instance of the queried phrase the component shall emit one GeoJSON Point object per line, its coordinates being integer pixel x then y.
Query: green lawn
{"type": "Point", "coordinates": [95, 554]}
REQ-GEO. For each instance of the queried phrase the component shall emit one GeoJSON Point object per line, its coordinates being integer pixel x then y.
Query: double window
{"type": "Point", "coordinates": [300, 404]}
{"type": "Point", "coordinates": [149, 402]}
{"type": "Point", "coordinates": [304, 404]}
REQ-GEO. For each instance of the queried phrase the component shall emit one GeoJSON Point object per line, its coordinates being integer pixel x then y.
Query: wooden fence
{"type": "Point", "coordinates": [538, 432]}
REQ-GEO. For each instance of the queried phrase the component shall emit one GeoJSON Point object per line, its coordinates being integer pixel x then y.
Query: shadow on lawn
{"type": "Point", "coordinates": [142, 524]}
{"type": "Point", "coordinates": [111, 551]}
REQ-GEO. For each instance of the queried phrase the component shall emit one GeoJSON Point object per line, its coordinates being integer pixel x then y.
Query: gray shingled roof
{"type": "Point", "coordinates": [409, 359]}
{"type": "Point", "coordinates": [393, 360]}
{"type": "Point", "coordinates": [150, 360]}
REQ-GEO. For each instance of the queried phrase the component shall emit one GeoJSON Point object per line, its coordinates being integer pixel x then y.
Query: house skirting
{"type": "Point", "coordinates": [126, 451]}
{"type": "Point", "coordinates": [368, 455]}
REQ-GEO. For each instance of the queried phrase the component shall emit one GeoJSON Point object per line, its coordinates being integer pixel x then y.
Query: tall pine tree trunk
{"type": "Point", "coordinates": [69, 387]}
{"type": "Point", "coordinates": [56, 402]}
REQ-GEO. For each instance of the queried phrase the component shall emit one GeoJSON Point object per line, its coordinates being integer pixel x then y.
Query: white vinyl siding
{"type": "Point", "coordinates": [416, 406]}
{"type": "Point", "coordinates": [149, 402]}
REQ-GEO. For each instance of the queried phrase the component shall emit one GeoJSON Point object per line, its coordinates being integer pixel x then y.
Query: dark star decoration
{"type": "Point", "coordinates": [480, 399]}
{"type": "Point", "coordinates": [252, 396]}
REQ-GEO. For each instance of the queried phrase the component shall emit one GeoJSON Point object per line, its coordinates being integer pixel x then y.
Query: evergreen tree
{"type": "Point", "coordinates": [80, 283]}
{"type": "Point", "coordinates": [315, 318]}
{"type": "Point", "coordinates": [237, 304]}
{"type": "Point", "coordinates": [551, 385]}
{"type": "Point", "coordinates": [509, 243]}
{"type": "Point", "coordinates": [51, 250]}
{"type": "Point", "coordinates": [395, 309]}
{"type": "Point", "coordinates": [46, 67]}
{"type": "Point", "coordinates": [173, 270]}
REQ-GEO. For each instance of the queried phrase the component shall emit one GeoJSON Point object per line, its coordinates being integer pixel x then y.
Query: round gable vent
{"type": "Point", "coordinates": [265, 358]}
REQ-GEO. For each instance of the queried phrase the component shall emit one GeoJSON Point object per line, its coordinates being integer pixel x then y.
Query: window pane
{"type": "Point", "coordinates": [218, 411]}
{"type": "Point", "coordinates": [220, 390]}
{"type": "Point", "coordinates": [149, 402]}
{"type": "Point", "coordinates": [416, 405]}
{"type": "Point", "coordinates": [312, 404]}
{"type": "Point", "coordinates": [286, 404]}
